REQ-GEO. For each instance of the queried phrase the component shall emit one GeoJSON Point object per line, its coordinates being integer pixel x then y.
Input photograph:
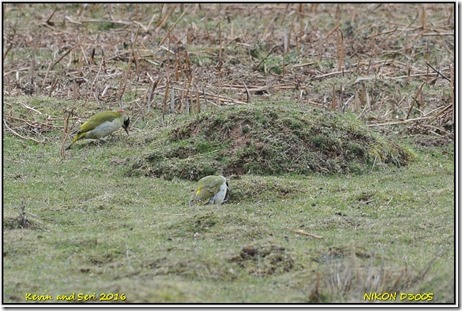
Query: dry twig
{"type": "Point", "coordinates": [304, 233]}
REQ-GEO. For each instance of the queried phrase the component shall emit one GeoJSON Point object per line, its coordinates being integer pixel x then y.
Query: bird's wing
{"type": "Point", "coordinates": [205, 191]}
{"type": "Point", "coordinates": [215, 185]}
{"type": "Point", "coordinates": [96, 120]}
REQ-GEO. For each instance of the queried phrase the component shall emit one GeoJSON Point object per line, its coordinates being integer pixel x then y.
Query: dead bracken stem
{"type": "Point", "coordinates": [52, 64]}
{"type": "Point", "coordinates": [247, 93]}
{"type": "Point", "coordinates": [135, 55]}
{"type": "Point", "coordinates": [453, 92]}
{"type": "Point", "coordinates": [332, 31]}
{"type": "Point", "coordinates": [333, 105]}
{"type": "Point", "coordinates": [178, 72]}
{"type": "Point", "coordinates": [23, 221]}
{"type": "Point", "coordinates": [415, 100]}
{"type": "Point", "coordinates": [131, 58]}
{"type": "Point", "coordinates": [438, 72]}
{"type": "Point", "coordinates": [423, 18]}
{"type": "Point", "coordinates": [269, 53]}
{"type": "Point", "coordinates": [164, 17]}
{"type": "Point", "coordinates": [186, 95]}
{"type": "Point", "coordinates": [220, 50]}
{"type": "Point", "coordinates": [198, 103]}
{"type": "Point", "coordinates": [172, 100]}
{"type": "Point", "coordinates": [171, 28]}
{"type": "Point", "coordinates": [340, 50]}
{"type": "Point", "coordinates": [164, 102]}
{"type": "Point", "coordinates": [205, 100]}
{"type": "Point", "coordinates": [187, 68]}
{"type": "Point", "coordinates": [66, 131]}
{"type": "Point", "coordinates": [151, 91]}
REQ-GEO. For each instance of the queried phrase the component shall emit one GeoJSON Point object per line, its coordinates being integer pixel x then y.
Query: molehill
{"type": "Point", "coordinates": [270, 140]}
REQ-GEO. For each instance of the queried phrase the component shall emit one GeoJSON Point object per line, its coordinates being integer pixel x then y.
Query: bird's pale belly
{"type": "Point", "coordinates": [103, 130]}
{"type": "Point", "coordinates": [220, 196]}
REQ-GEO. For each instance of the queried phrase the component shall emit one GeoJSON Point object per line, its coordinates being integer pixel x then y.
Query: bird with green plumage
{"type": "Point", "coordinates": [102, 124]}
{"type": "Point", "coordinates": [212, 189]}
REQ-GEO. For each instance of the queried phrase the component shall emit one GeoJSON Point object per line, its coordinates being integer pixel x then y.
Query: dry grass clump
{"type": "Point", "coordinates": [352, 278]}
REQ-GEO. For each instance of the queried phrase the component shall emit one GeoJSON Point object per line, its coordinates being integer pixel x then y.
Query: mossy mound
{"type": "Point", "coordinates": [270, 141]}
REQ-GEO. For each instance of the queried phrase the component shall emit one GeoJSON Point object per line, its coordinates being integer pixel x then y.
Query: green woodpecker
{"type": "Point", "coordinates": [102, 124]}
{"type": "Point", "coordinates": [211, 190]}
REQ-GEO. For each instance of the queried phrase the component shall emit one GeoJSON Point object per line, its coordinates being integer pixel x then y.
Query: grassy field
{"type": "Point", "coordinates": [78, 226]}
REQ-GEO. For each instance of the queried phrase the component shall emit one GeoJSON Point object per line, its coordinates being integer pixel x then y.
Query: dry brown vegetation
{"type": "Point", "coordinates": [389, 63]}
